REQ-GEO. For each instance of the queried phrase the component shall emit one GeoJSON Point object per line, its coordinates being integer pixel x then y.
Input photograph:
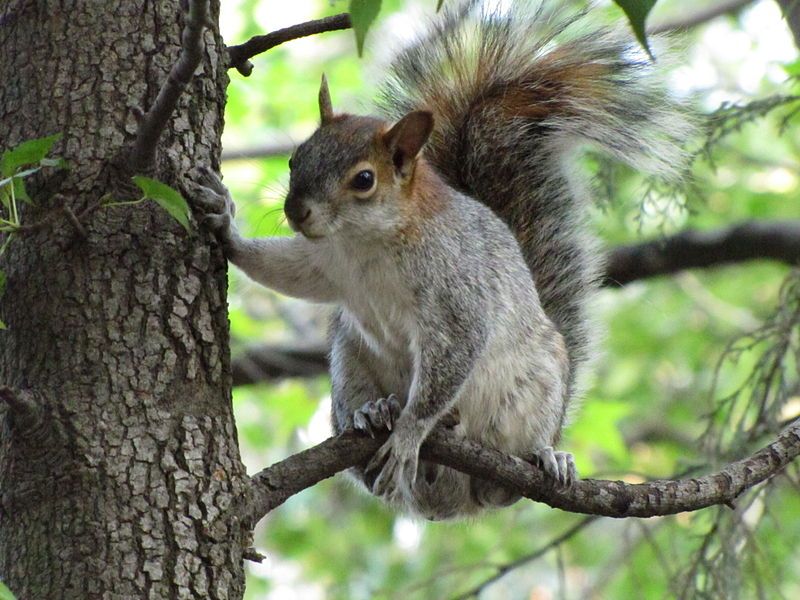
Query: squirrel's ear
{"type": "Point", "coordinates": [325, 106]}
{"type": "Point", "coordinates": [407, 137]}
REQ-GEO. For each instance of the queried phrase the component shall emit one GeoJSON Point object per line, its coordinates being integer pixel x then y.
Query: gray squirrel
{"type": "Point", "coordinates": [450, 233]}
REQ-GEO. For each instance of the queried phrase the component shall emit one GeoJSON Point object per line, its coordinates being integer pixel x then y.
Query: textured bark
{"type": "Point", "coordinates": [118, 465]}
{"type": "Point", "coordinates": [275, 484]}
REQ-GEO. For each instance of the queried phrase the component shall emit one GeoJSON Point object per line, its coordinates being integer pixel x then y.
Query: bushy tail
{"type": "Point", "coordinates": [514, 93]}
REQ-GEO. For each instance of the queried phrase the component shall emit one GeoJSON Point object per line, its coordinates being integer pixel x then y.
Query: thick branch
{"type": "Point", "coordinates": [239, 56]}
{"type": "Point", "coordinates": [256, 364]}
{"type": "Point", "coordinates": [700, 17]}
{"type": "Point", "coordinates": [155, 120]}
{"type": "Point", "coordinates": [272, 486]}
{"type": "Point", "coordinates": [690, 249]}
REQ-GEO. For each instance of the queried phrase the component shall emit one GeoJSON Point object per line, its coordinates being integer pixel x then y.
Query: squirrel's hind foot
{"type": "Point", "coordinates": [376, 415]}
{"type": "Point", "coordinates": [557, 464]}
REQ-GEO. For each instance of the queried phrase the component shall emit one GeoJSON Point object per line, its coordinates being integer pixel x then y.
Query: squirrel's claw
{"type": "Point", "coordinates": [557, 464]}
{"type": "Point", "coordinates": [361, 421]}
{"type": "Point", "coordinates": [377, 414]}
{"type": "Point", "coordinates": [212, 198]}
{"type": "Point", "coordinates": [210, 179]}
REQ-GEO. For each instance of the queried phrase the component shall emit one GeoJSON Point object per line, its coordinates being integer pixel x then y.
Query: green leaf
{"type": "Point", "coordinates": [439, 5]}
{"type": "Point", "coordinates": [29, 152]}
{"type": "Point", "coordinates": [19, 190]}
{"type": "Point", "coordinates": [2, 282]}
{"type": "Point", "coordinates": [166, 197]}
{"type": "Point", "coordinates": [362, 15]}
{"type": "Point", "coordinates": [5, 593]}
{"type": "Point", "coordinates": [637, 11]}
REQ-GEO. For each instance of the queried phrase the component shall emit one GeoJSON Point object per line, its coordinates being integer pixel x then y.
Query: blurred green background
{"type": "Point", "coordinates": [665, 398]}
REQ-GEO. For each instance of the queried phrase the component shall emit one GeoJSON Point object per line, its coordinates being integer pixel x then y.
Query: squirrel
{"type": "Point", "coordinates": [450, 231]}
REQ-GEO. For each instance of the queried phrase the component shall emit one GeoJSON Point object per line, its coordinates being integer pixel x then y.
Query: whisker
{"type": "Point", "coordinates": [266, 214]}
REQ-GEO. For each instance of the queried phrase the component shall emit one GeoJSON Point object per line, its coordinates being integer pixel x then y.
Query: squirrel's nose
{"type": "Point", "coordinates": [296, 211]}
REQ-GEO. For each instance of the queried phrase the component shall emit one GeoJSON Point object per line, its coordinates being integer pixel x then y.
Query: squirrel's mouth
{"type": "Point", "coordinates": [304, 232]}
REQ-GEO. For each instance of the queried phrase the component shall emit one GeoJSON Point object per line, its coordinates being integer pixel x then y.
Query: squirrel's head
{"type": "Point", "coordinates": [354, 176]}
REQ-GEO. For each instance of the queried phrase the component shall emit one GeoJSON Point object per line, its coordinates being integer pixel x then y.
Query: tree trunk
{"type": "Point", "coordinates": [117, 469]}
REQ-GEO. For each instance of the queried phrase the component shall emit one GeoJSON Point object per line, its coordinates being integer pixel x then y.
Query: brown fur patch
{"type": "Point", "coordinates": [424, 196]}
{"type": "Point", "coordinates": [549, 93]}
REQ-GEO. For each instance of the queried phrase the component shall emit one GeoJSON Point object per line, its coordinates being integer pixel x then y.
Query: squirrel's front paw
{"type": "Point", "coordinates": [559, 465]}
{"type": "Point", "coordinates": [377, 414]}
{"type": "Point", "coordinates": [211, 196]}
{"type": "Point", "coordinates": [396, 464]}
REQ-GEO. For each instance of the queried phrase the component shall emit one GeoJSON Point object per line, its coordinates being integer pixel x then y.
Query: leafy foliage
{"type": "Point", "coordinates": [17, 164]}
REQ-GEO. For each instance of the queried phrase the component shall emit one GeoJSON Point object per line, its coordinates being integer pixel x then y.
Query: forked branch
{"type": "Point", "coordinates": [239, 56]}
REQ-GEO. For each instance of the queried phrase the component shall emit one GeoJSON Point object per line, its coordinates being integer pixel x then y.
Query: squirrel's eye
{"type": "Point", "coordinates": [363, 181]}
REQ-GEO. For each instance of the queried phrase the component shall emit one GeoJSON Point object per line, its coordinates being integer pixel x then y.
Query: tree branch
{"type": "Point", "coordinates": [262, 151]}
{"type": "Point", "coordinates": [274, 485]}
{"type": "Point", "coordinates": [690, 249]}
{"type": "Point", "coordinates": [258, 363]}
{"type": "Point", "coordinates": [700, 17]}
{"type": "Point", "coordinates": [239, 56]}
{"type": "Point", "coordinates": [152, 124]}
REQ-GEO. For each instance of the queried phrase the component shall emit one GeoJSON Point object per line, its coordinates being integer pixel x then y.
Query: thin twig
{"type": "Point", "coordinates": [45, 221]}
{"type": "Point", "coordinates": [154, 121]}
{"type": "Point", "coordinates": [239, 56]}
{"type": "Point", "coordinates": [75, 222]}
{"type": "Point", "coordinates": [530, 557]}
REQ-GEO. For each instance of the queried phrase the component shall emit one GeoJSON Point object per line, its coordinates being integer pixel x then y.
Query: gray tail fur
{"type": "Point", "coordinates": [514, 93]}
